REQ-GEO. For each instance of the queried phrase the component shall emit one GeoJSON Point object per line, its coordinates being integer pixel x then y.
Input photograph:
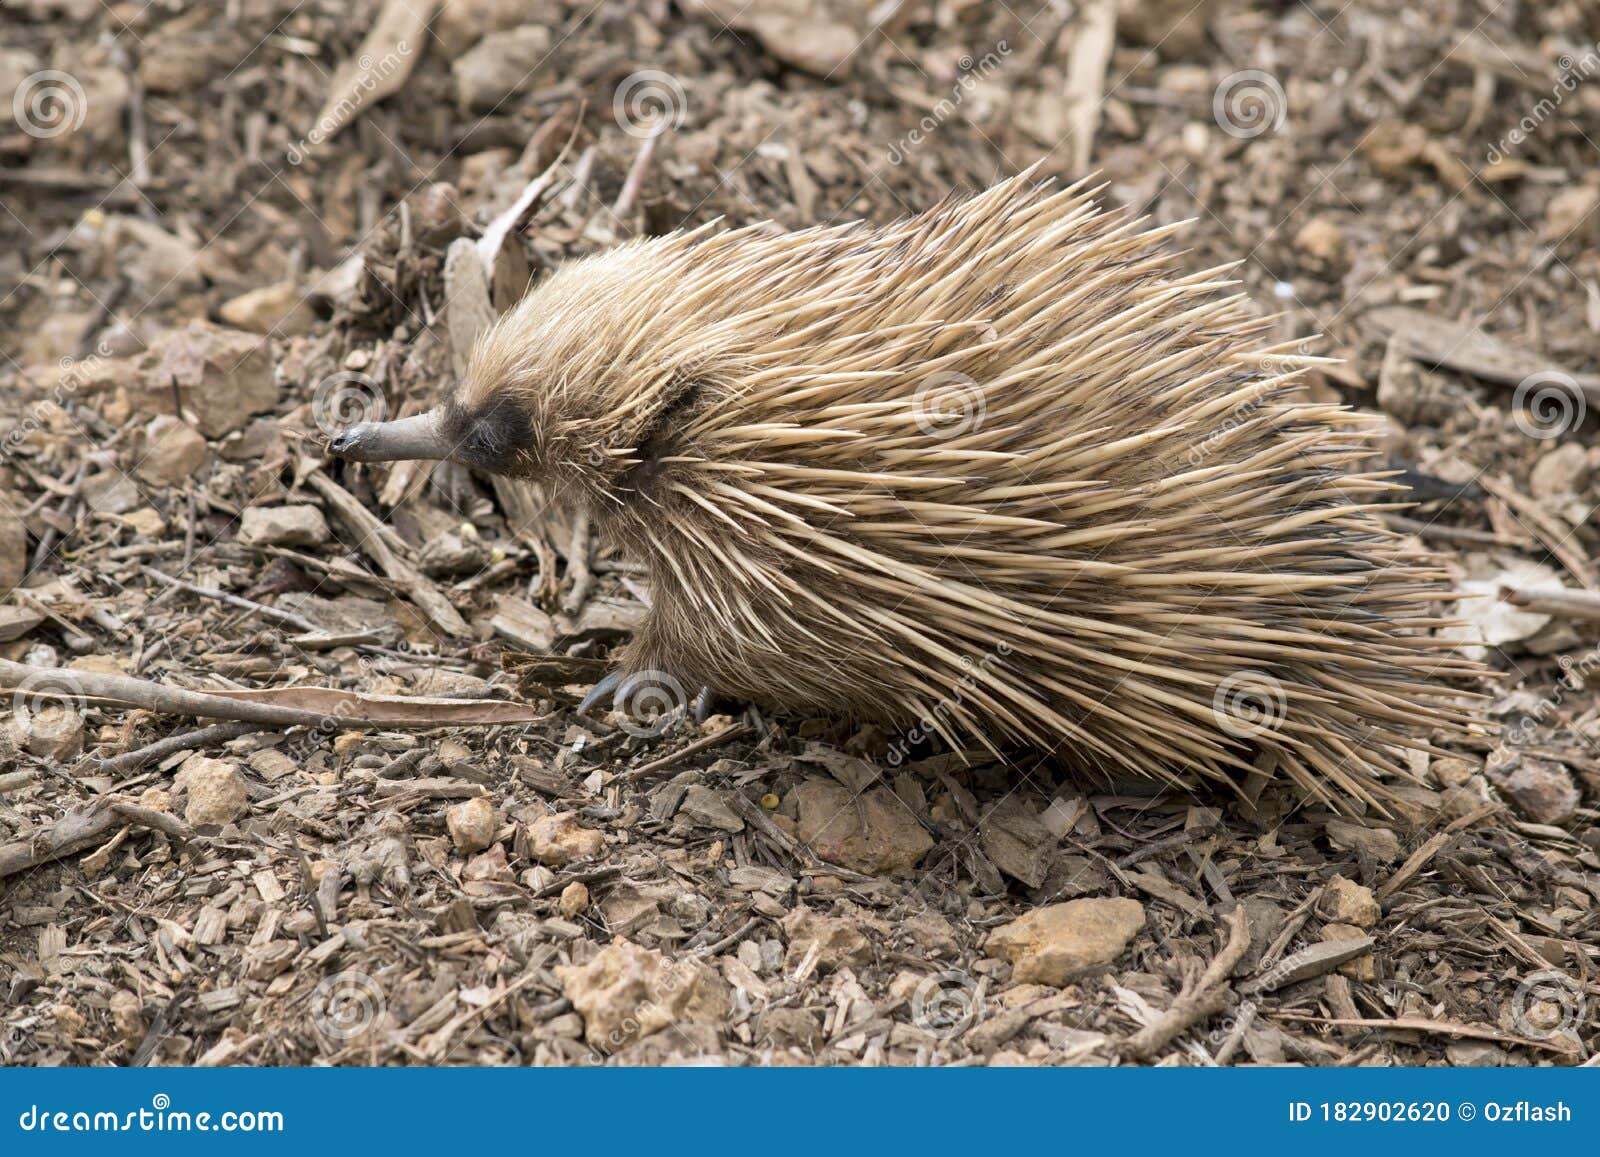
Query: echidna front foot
{"type": "Point", "coordinates": [705, 703]}
{"type": "Point", "coordinates": [649, 691]}
{"type": "Point", "coordinates": [607, 685]}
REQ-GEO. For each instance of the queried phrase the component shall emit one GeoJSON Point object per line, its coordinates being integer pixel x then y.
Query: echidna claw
{"type": "Point", "coordinates": [704, 702]}
{"type": "Point", "coordinates": [606, 688]}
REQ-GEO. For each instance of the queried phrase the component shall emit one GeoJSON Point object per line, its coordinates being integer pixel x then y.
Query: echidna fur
{"type": "Point", "coordinates": [1000, 471]}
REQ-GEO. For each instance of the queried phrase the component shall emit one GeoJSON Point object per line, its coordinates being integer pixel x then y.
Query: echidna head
{"type": "Point", "coordinates": [580, 384]}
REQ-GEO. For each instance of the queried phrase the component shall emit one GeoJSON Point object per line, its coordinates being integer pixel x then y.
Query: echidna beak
{"type": "Point", "coordinates": [420, 436]}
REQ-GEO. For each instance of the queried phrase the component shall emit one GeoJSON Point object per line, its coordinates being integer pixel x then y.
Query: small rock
{"type": "Point", "coordinates": [13, 545]}
{"type": "Point", "coordinates": [836, 940]}
{"type": "Point", "coordinates": [815, 36]}
{"type": "Point", "coordinates": [628, 992]}
{"type": "Point", "coordinates": [1017, 841]}
{"type": "Point", "coordinates": [558, 840]}
{"type": "Point", "coordinates": [1048, 945]}
{"type": "Point", "coordinates": [283, 526]}
{"type": "Point", "coordinates": [629, 907]}
{"type": "Point", "coordinates": [500, 65]}
{"type": "Point", "coordinates": [221, 375]}
{"type": "Point", "coordinates": [1560, 473]}
{"type": "Point", "coordinates": [873, 833]}
{"type": "Point", "coordinates": [450, 555]}
{"type": "Point", "coordinates": [1379, 843]}
{"type": "Point", "coordinates": [173, 451]}
{"type": "Point", "coordinates": [461, 23]}
{"type": "Point", "coordinates": [709, 810]}
{"type": "Point", "coordinates": [111, 492]}
{"type": "Point", "coordinates": [1541, 789]}
{"type": "Point", "coordinates": [1349, 903]}
{"type": "Point", "coordinates": [53, 731]}
{"type": "Point", "coordinates": [471, 823]}
{"type": "Point", "coordinates": [1451, 772]}
{"type": "Point", "coordinates": [574, 899]}
{"type": "Point", "coordinates": [278, 309]}
{"type": "Point", "coordinates": [1361, 967]}
{"type": "Point", "coordinates": [216, 790]}
{"type": "Point", "coordinates": [1570, 216]}
{"type": "Point", "coordinates": [1322, 240]}
{"type": "Point", "coordinates": [127, 1016]}
{"type": "Point", "coordinates": [156, 799]}
{"type": "Point", "coordinates": [1471, 1054]}
{"type": "Point", "coordinates": [487, 866]}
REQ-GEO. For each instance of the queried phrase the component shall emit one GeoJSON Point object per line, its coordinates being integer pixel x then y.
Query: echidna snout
{"type": "Point", "coordinates": [998, 472]}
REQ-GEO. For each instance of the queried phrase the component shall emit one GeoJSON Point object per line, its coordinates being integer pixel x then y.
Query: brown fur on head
{"type": "Point", "coordinates": [993, 472]}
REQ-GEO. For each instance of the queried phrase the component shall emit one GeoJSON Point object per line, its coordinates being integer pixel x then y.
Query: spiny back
{"type": "Point", "coordinates": [996, 471]}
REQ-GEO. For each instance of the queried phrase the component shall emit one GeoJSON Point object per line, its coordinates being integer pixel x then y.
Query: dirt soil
{"type": "Point", "coordinates": [224, 232]}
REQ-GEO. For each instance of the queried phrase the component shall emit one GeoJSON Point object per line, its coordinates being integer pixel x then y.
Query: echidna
{"type": "Point", "coordinates": [997, 472]}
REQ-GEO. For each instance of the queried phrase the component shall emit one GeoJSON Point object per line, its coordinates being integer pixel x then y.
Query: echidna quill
{"type": "Point", "coordinates": [997, 472]}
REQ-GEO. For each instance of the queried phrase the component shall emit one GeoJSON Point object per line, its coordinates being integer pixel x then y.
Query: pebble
{"type": "Point", "coordinates": [1348, 902]}
{"type": "Point", "coordinates": [873, 833]}
{"type": "Point", "coordinates": [1361, 967]}
{"type": "Point", "coordinates": [835, 940]}
{"type": "Point", "coordinates": [1017, 841]}
{"type": "Point", "coordinates": [173, 451]}
{"type": "Point", "coordinates": [1379, 843]}
{"type": "Point", "coordinates": [626, 992]}
{"type": "Point", "coordinates": [216, 791]}
{"type": "Point", "coordinates": [574, 899]}
{"type": "Point", "coordinates": [1541, 789]}
{"type": "Point", "coordinates": [13, 544]}
{"type": "Point", "coordinates": [283, 526]}
{"type": "Point", "coordinates": [471, 823]}
{"type": "Point", "coordinates": [499, 65]}
{"type": "Point", "coordinates": [53, 731]}
{"type": "Point", "coordinates": [278, 309]}
{"type": "Point", "coordinates": [1049, 945]}
{"type": "Point", "coordinates": [709, 810]}
{"type": "Point", "coordinates": [220, 374]}
{"type": "Point", "coordinates": [111, 492]}
{"type": "Point", "coordinates": [558, 840]}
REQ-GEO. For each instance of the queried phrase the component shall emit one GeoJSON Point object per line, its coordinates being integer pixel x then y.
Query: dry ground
{"type": "Point", "coordinates": [1410, 181]}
